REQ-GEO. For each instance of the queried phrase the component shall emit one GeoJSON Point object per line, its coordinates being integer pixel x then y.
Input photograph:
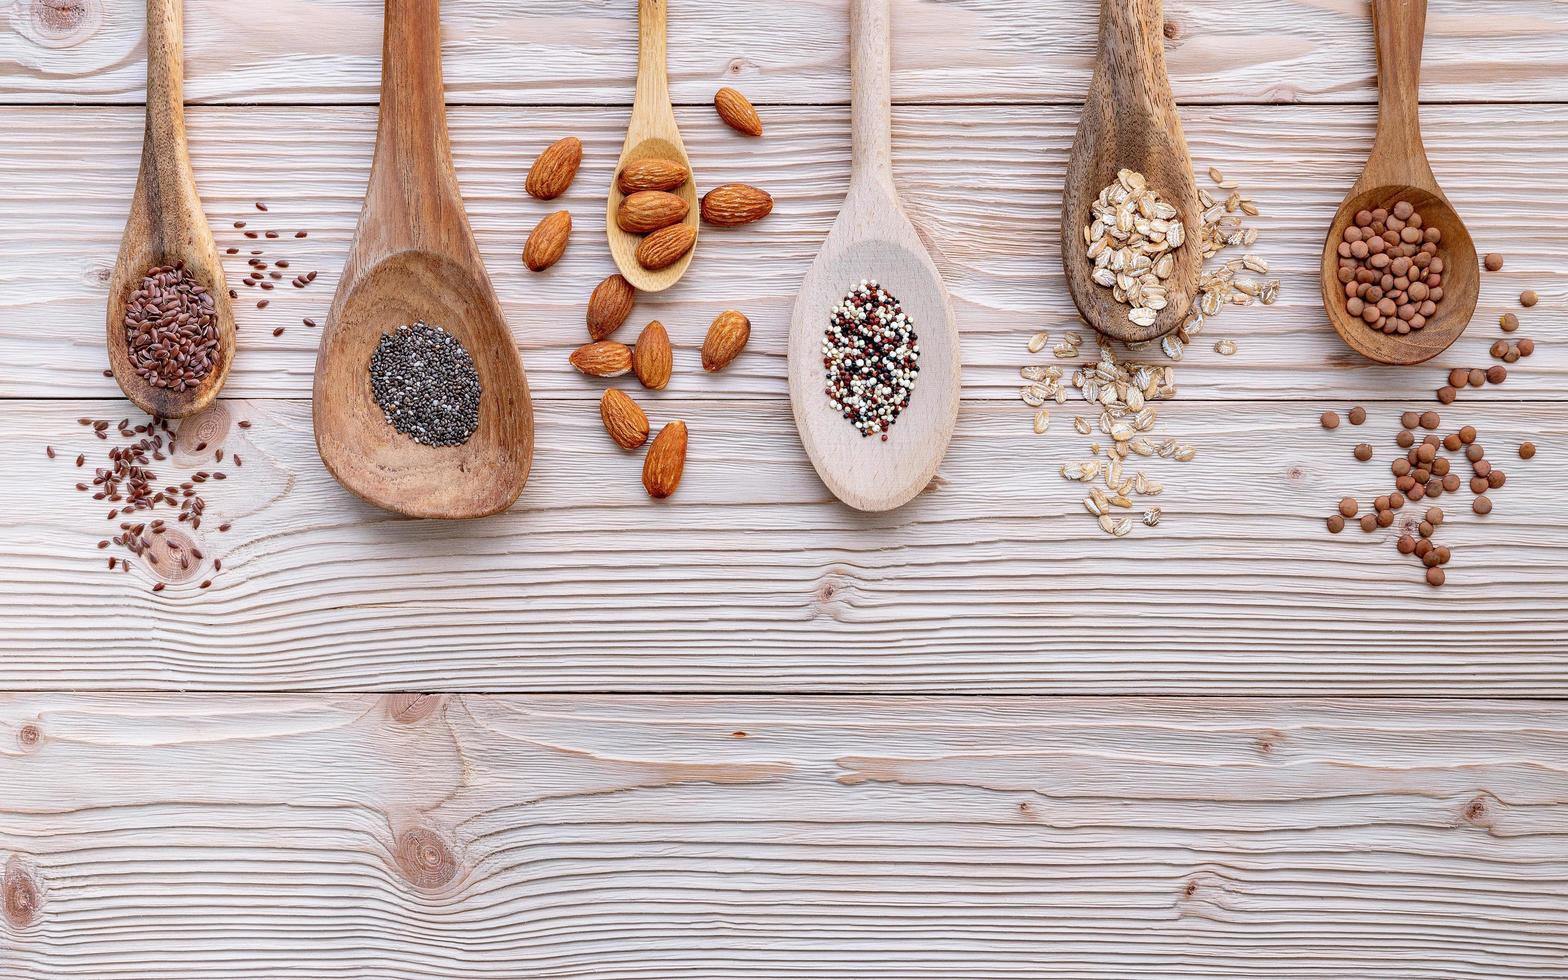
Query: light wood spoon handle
{"type": "Point", "coordinates": [1399, 28]}
{"type": "Point", "coordinates": [653, 79]}
{"type": "Point", "coordinates": [870, 65]}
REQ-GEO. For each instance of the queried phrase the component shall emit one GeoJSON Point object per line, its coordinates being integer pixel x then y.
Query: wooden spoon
{"type": "Point", "coordinates": [1130, 121]}
{"type": "Point", "coordinates": [166, 225]}
{"type": "Point", "coordinates": [873, 239]}
{"type": "Point", "coordinates": [414, 258]}
{"type": "Point", "coordinates": [651, 134]}
{"type": "Point", "coordinates": [1397, 170]}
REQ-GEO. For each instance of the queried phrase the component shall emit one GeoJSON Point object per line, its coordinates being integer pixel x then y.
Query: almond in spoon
{"type": "Point", "coordinates": [665, 247]}
{"type": "Point", "coordinates": [652, 175]}
{"type": "Point", "coordinates": [647, 211]}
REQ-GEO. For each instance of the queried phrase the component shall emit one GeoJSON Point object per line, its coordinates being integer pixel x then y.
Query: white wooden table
{"type": "Point", "coordinates": [746, 731]}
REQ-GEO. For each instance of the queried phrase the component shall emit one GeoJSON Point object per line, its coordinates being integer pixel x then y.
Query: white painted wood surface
{"type": "Point", "coordinates": [556, 52]}
{"type": "Point", "coordinates": [602, 837]}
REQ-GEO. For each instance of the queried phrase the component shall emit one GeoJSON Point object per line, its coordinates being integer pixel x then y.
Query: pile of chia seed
{"type": "Point", "coordinates": [871, 357]}
{"type": "Point", "coordinates": [425, 382]}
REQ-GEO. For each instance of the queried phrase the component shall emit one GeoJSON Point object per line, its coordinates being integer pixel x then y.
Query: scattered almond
{"type": "Point", "coordinates": [626, 423]}
{"type": "Point", "coordinates": [602, 359]}
{"type": "Point", "coordinates": [547, 242]}
{"type": "Point", "coordinates": [735, 204]}
{"type": "Point", "coordinates": [737, 112]}
{"type": "Point", "coordinates": [647, 211]}
{"type": "Point", "coordinates": [653, 361]}
{"type": "Point", "coordinates": [609, 306]}
{"type": "Point", "coordinates": [726, 338]}
{"type": "Point", "coordinates": [554, 169]}
{"type": "Point", "coordinates": [661, 471]}
{"type": "Point", "coordinates": [666, 246]}
{"type": "Point", "coordinates": [652, 174]}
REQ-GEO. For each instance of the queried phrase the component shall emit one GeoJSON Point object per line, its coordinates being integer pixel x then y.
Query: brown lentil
{"type": "Point", "coordinates": [1529, 298]}
{"type": "Point", "coordinates": [1348, 506]}
{"type": "Point", "coordinates": [1508, 322]}
{"type": "Point", "coordinates": [1447, 394]}
{"type": "Point", "coordinates": [1405, 439]}
{"type": "Point", "coordinates": [1410, 419]}
{"type": "Point", "coordinates": [1364, 452]}
{"type": "Point", "coordinates": [1496, 374]}
{"type": "Point", "coordinates": [1330, 420]}
{"type": "Point", "coordinates": [1526, 347]}
{"type": "Point", "coordinates": [1435, 576]}
{"type": "Point", "coordinates": [1336, 524]}
{"type": "Point", "coordinates": [1369, 523]}
{"type": "Point", "coordinates": [1477, 377]}
{"type": "Point", "coordinates": [1482, 504]}
{"type": "Point", "coordinates": [1527, 450]}
{"type": "Point", "coordinates": [1358, 415]}
{"type": "Point", "coordinates": [1493, 261]}
{"type": "Point", "coordinates": [1390, 269]}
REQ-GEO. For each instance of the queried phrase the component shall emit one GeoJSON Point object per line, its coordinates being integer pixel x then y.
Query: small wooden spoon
{"type": "Point", "coordinates": [166, 225]}
{"type": "Point", "coordinates": [414, 258]}
{"type": "Point", "coordinates": [873, 239]}
{"type": "Point", "coordinates": [1397, 170]}
{"type": "Point", "coordinates": [1130, 121]}
{"type": "Point", "coordinates": [651, 134]}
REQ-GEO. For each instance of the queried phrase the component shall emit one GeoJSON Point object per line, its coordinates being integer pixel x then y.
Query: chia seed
{"type": "Point", "coordinates": [425, 382]}
{"type": "Point", "coordinates": [871, 358]}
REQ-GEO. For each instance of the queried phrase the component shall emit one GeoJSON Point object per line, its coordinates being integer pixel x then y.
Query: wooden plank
{"type": "Point", "coordinates": [564, 51]}
{"type": "Point", "coordinates": [751, 578]}
{"type": "Point", "coordinates": [472, 836]}
{"type": "Point", "coordinates": [989, 213]}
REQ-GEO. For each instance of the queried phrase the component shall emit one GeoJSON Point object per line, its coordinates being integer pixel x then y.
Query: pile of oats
{"type": "Point", "coordinates": [1130, 240]}
{"type": "Point", "coordinates": [1120, 393]}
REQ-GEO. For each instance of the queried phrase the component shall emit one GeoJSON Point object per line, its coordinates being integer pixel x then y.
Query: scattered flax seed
{"type": "Point", "coordinates": [277, 331]}
{"type": "Point", "coordinates": [299, 234]}
{"type": "Point", "coordinates": [309, 322]}
{"type": "Point", "coordinates": [261, 205]}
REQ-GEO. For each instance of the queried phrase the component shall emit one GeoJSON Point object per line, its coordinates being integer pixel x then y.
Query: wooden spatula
{"type": "Point", "coordinates": [1129, 121]}
{"type": "Point", "coordinates": [414, 258]}
{"type": "Point", "coordinates": [167, 226]}
{"type": "Point", "coordinates": [873, 239]}
{"type": "Point", "coordinates": [1397, 170]}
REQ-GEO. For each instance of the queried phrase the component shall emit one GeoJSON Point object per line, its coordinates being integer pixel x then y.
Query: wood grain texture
{"type": "Point", "coordinates": [414, 259]}
{"type": "Point", "coordinates": [468, 836]}
{"type": "Point", "coordinates": [572, 51]}
{"type": "Point", "coordinates": [753, 578]}
{"type": "Point", "coordinates": [989, 215]}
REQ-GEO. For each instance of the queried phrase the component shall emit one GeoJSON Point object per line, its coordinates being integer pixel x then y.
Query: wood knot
{"type": "Point", "coordinates": [201, 435]}
{"type": "Point", "coordinates": [737, 734]}
{"type": "Point", "coordinates": [410, 709]}
{"type": "Point", "coordinates": [738, 66]}
{"type": "Point", "coordinates": [1480, 812]}
{"type": "Point", "coordinates": [1295, 473]}
{"type": "Point", "coordinates": [424, 858]}
{"type": "Point", "coordinates": [63, 23]}
{"type": "Point", "coordinates": [28, 737]}
{"type": "Point", "coordinates": [1189, 890]}
{"type": "Point", "coordinates": [1172, 30]}
{"type": "Point", "coordinates": [174, 556]}
{"type": "Point", "coordinates": [1269, 741]}
{"type": "Point", "coordinates": [19, 894]}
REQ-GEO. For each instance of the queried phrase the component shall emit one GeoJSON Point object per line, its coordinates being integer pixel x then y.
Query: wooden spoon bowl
{"type": "Point", "coordinates": [1397, 170]}
{"type": "Point", "coordinates": [414, 258]}
{"type": "Point", "coordinates": [1461, 278]}
{"type": "Point", "coordinates": [651, 134]}
{"type": "Point", "coordinates": [167, 225]}
{"type": "Point", "coordinates": [1130, 121]}
{"type": "Point", "coordinates": [873, 239]}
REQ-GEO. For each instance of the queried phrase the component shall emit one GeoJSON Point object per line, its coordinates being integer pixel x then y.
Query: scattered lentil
{"type": "Point", "coordinates": [1358, 415]}
{"type": "Point", "coordinates": [1527, 450]}
{"type": "Point", "coordinates": [1330, 420]}
{"type": "Point", "coordinates": [1529, 298]}
{"type": "Point", "coordinates": [1494, 262]}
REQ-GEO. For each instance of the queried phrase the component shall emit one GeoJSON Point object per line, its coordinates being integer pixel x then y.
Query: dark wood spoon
{"type": "Point", "coordinates": [1397, 170]}
{"type": "Point", "coordinates": [1130, 121]}
{"type": "Point", "coordinates": [414, 258]}
{"type": "Point", "coordinates": [167, 225]}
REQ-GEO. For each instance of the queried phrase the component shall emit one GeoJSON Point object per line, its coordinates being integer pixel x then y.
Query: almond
{"type": "Point", "coordinates": [547, 242]}
{"type": "Point", "coordinates": [647, 211]}
{"type": "Point", "coordinates": [602, 359]}
{"type": "Point", "coordinates": [609, 306]}
{"type": "Point", "coordinates": [652, 359]}
{"type": "Point", "coordinates": [737, 112]}
{"type": "Point", "coordinates": [554, 168]}
{"type": "Point", "coordinates": [623, 420]}
{"type": "Point", "coordinates": [726, 338]}
{"type": "Point", "coordinates": [661, 471]}
{"type": "Point", "coordinates": [666, 246]}
{"type": "Point", "coordinates": [735, 204]}
{"type": "Point", "coordinates": [652, 175]}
